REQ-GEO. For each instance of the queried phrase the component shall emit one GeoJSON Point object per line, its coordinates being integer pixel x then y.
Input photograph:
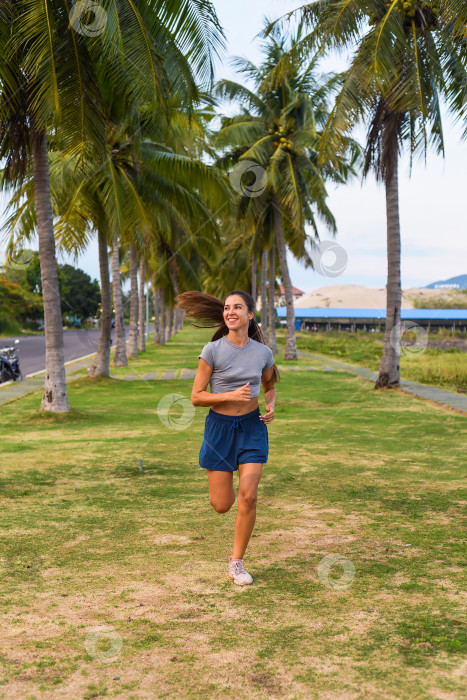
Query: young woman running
{"type": "Point", "coordinates": [234, 363]}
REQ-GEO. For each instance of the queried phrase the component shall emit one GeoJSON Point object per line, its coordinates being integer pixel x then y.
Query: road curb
{"type": "Point", "coordinates": [70, 362]}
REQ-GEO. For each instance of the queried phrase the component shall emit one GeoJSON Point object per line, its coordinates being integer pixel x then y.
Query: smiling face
{"type": "Point", "coordinates": [236, 314]}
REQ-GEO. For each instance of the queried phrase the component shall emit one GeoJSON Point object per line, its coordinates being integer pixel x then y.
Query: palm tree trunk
{"type": "Point", "coordinates": [173, 274]}
{"type": "Point", "coordinates": [141, 325]}
{"type": "Point", "coordinates": [120, 359]}
{"type": "Point", "coordinates": [253, 279]}
{"type": "Point", "coordinates": [55, 397]}
{"type": "Point", "coordinates": [291, 342]}
{"type": "Point", "coordinates": [157, 325]}
{"type": "Point", "coordinates": [163, 317]}
{"type": "Point", "coordinates": [101, 365]}
{"type": "Point", "coordinates": [389, 369]}
{"type": "Point", "coordinates": [272, 309]}
{"type": "Point", "coordinates": [182, 317]}
{"type": "Point", "coordinates": [179, 319]}
{"type": "Point", "coordinates": [168, 324]}
{"type": "Point", "coordinates": [264, 293]}
{"type": "Point", "coordinates": [133, 338]}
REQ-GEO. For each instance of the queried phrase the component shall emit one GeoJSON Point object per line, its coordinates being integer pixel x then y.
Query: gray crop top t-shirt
{"type": "Point", "coordinates": [235, 365]}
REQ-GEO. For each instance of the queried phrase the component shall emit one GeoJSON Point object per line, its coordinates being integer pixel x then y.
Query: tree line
{"type": "Point", "coordinates": [110, 129]}
{"type": "Point", "coordinates": [21, 299]}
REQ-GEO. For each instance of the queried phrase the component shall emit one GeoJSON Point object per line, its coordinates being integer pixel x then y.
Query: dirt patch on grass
{"type": "Point", "coordinates": [306, 510]}
{"type": "Point", "coordinates": [441, 694]}
{"type": "Point", "coordinates": [306, 515]}
{"type": "Point", "coordinates": [440, 518]}
{"type": "Point", "coordinates": [77, 540]}
{"type": "Point", "coordinates": [165, 538]}
{"type": "Point", "coordinates": [166, 598]}
{"type": "Point", "coordinates": [296, 541]}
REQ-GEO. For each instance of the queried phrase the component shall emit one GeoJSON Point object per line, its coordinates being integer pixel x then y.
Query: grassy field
{"type": "Point", "coordinates": [113, 582]}
{"type": "Point", "coordinates": [444, 368]}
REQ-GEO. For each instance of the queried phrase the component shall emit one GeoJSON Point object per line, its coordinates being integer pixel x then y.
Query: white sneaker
{"type": "Point", "coordinates": [238, 573]}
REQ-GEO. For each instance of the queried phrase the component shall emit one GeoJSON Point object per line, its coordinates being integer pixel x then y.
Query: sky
{"type": "Point", "coordinates": [432, 207]}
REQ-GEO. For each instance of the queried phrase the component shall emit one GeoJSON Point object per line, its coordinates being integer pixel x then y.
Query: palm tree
{"type": "Point", "coordinates": [133, 336]}
{"type": "Point", "coordinates": [232, 263]}
{"type": "Point", "coordinates": [163, 194]}
{"type": "Point", "coordinates": [163, 314]}
{"type": "Point", "coordinates": [141, 324]}
{"type": "Point", "coordinates": [186, 200]}
{"type": "Point", "coordinates": [271, 305]}
{"type": "Point", "coordinates": [278, 129]}
{"type": "Point", "coordinates": [408, 55]}
{"type": "Point", "coordinates": [264, 293]}
{"type": "Point", "coordinates": [253, 277]}
{"type": "Point", "coordinates": [48, 86]}
{"type": "Point", "coordinates": [120, 357]}
{"type": "Point", "coordinates": [101, 363]}
{"type": "Point", "coordinates": [79, 214]}
{"type": "Point", "coordinates": [156, 300]}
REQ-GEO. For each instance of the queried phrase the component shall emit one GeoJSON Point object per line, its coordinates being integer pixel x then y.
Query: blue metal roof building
{"type": "Point", "coordinates": [305, 317]}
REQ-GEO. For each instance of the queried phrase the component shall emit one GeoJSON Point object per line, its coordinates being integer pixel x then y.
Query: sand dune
{"type": "Point", "coordinates": [354, 296]}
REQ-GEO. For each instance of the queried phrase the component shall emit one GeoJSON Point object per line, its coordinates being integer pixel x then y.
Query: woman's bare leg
{"type": "Point", "coordinates": [221, 490]}
{"type": "Point", "coordinates": [249, 476]}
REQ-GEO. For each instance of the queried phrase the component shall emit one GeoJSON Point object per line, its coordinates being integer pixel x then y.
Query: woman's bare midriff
{"type": "Point", "coordinates": [236, 408]}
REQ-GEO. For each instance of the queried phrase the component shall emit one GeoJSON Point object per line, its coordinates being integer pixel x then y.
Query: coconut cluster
{"type": "Point", "coordinates": [281, 139]}
{"type": "Point", "coordinates": [424, 13]}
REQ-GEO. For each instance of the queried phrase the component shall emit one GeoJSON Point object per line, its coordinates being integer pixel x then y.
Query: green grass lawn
{"type": "Point", "coordinates": [113, 582]}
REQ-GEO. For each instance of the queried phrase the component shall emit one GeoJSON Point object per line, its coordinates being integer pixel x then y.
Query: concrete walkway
{"type": "Point", "coordinates": [13, 390]}
{"type": "Point", "coordinates": [424, 391]}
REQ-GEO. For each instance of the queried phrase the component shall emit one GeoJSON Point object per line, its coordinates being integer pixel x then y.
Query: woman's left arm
{"type": "Point", "coordinates": [270, 395]}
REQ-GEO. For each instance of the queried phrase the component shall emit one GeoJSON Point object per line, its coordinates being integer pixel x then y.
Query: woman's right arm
{"type": "Point", "coordinates": [201, 397]}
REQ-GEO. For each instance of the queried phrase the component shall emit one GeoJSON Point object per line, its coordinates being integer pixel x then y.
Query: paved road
{"type": "Point", "coordinates": [77, 343]}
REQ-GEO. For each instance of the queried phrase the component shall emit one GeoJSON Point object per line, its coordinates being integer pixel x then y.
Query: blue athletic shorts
{"type": "Point", "coordinates": [233, 440]}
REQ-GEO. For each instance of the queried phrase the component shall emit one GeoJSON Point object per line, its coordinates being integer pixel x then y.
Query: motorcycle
{"type": "Point", "coordinates": [9, 365]}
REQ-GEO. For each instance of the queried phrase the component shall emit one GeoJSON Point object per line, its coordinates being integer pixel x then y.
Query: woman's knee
{"type": "Point", "coordinates": [221, 505]}
{"type": "Point", "coordinates": [248, 499]}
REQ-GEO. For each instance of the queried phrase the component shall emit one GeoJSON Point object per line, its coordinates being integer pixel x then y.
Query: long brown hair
{"type": "Point", "coordinates": [210, 309]}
